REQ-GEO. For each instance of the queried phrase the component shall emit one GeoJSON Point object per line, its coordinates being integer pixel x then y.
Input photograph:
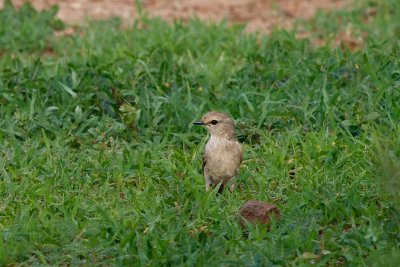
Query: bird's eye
{"type": "Point", "coordinates": [213, 122]}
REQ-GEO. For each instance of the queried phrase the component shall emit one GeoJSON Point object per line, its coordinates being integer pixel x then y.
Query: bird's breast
{"type": "Point", "coordinates": [223, 157]}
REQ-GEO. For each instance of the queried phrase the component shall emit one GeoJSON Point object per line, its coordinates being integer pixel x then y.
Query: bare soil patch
{"type": "Point", "coordinates": [260, 15]}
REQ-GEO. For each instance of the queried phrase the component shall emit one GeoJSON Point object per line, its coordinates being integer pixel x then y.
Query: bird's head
{"type": "Point", "coordinates": [218, 124]}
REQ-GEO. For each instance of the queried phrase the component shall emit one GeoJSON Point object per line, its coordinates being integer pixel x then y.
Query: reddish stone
{"type": "Point", "coordinates": [258, 212]}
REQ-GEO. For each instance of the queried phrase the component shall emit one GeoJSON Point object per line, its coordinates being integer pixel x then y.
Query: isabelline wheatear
{"type": "Point", "coordinates": [223, 153]}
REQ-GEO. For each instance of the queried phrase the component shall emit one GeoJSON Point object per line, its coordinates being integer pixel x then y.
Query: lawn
{"type": "Point", "coordinates": [100, 164]}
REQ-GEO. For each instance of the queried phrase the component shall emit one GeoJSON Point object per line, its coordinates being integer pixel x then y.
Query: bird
{"type": "Point", "coordinates": [223, 154]}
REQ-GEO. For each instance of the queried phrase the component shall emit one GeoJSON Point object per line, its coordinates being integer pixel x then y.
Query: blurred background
{"type": "Point", "coordinates": [260, 15]}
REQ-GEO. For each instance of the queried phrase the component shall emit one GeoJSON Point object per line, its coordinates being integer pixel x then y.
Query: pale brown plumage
{"type": "Point", "coordinates": [223, 153]}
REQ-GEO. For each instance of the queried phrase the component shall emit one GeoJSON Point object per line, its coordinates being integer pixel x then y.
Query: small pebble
{"type": "Point", "coordinates": [258, 212]}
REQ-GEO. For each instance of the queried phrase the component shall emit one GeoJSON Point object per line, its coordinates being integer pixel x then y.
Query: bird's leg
{"type": "Point", "coordinates": [208, 182]}
{"type": "Point", "coordinates": [221, 188]}
{"type": "Point", "coordinates": [232, 187]}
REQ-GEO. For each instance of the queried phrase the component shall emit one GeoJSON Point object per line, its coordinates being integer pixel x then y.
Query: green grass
{"type": "Point", "coordinates": [100, 165]}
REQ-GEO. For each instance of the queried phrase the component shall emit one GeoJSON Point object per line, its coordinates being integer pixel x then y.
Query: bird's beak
{"type": "Point", "coordinates": [198, 123]}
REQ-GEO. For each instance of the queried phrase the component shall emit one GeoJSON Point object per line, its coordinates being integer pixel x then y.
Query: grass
{"type": "Point", "coordinates": [99, 163]}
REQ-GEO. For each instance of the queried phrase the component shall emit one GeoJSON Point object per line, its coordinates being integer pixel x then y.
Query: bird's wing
{"type": "Point", "coordinates": [204, 162]}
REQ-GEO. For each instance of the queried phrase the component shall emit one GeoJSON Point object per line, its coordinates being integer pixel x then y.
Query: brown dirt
{"type": "Point", "coordinates": [260, 15]}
